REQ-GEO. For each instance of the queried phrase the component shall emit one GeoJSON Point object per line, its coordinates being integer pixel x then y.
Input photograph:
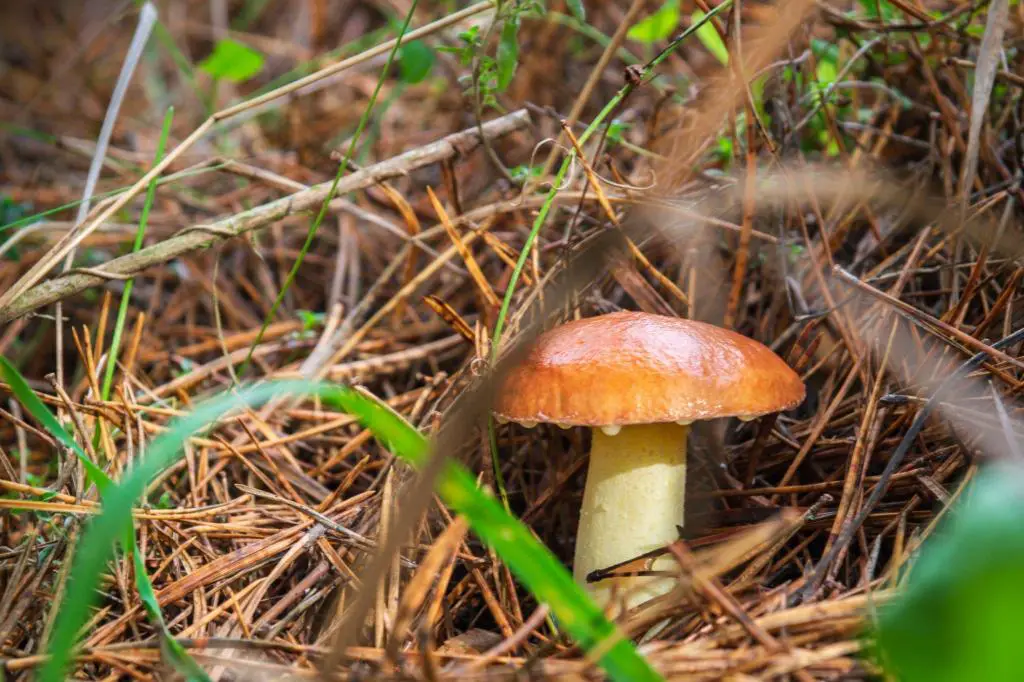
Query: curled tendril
{"type": "Point", "coordinates": [533, 156]}
{"type": "Point", "coordinates": [628, 187]}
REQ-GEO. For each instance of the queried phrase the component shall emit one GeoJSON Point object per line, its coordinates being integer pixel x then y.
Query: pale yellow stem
{"type": "Point", "coordinates": [632, 504]}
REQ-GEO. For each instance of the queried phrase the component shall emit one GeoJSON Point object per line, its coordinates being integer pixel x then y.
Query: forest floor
{"type": "Point", "coordinates": [839, 182]}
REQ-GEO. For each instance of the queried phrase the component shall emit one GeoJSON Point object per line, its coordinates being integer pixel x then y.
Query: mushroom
{"type": "Point", "coordinates": [638, 381]}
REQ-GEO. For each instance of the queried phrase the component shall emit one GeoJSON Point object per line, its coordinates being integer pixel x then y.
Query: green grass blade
{"type": "Point", "coordinates": [104, 530]}
{"type": "Point", "coordinates": [538, 569]}
{"type": "Point", "coordinates": [532, 562]}
{"type": "Point", "coordinates": [177, 655]}
{"type": "Point", "coordinates": [314, 227]}
{"type": "Point", "coordinates": [31, 402]}
{"type": "Point", "coordinates": [126, 295]}
{"type": "Point", "coordinates": [167, 179]}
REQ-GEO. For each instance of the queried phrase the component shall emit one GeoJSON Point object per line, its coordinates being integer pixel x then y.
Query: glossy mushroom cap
{"type": "Point", "coordinates": [637, 368]}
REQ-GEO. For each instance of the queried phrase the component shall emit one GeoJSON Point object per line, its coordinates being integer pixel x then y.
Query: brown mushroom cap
{"type": "Point", "coordinates": [637, 368]}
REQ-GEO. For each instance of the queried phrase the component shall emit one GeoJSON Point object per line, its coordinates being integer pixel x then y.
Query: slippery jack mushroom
{"type": "Point", "coordinates": [639, 381]}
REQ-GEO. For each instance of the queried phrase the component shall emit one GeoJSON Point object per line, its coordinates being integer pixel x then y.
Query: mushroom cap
{"type": "Point", "coordinates": [637, 368]}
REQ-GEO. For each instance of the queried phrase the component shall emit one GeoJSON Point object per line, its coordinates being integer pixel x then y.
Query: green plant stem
{"type": "Point", "coordinates": [167, 179]}
{"type": "Point", "coordinates": [477, 98]}
{"type": "Point", "coordinates": [499, 326]}
{"type": "Point", "coordinates": [342, 167]}
{"type": "Point", "coordinates": [140, 234]}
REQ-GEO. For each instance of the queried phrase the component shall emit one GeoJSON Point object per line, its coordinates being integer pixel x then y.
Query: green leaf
{"type": "Point", "coordinates": [707, 34]}
{"type": "Point", "coordinates": [415, 61]}
{"type": "Point", "coordinates": [233, 61]}
{"type": "Point", "coordinates": [471, 36]}
{"type": "Point", "coordinates": [959, 617]}
{"type": "Point", "coordinates": [826, 73]}
{"type": "Point", "coordinates": [974, 30]}
{"type": "Point", "coordinates": [724, 148]}
{"type": "Point", "coordinates": [824, 49]}
{"type": "Point", "coordinates": [463, 54]}
{"type": "Point", "coordinates": [832, 148]}
{"type": "Point", "coordinates": [533, 563]}
{"type": "Point", "coordinates": [757, 91]}
{"type": "Point", "coordinates": [616, 129]}
{"type": "Point", "coordinates": [311, 320]}
{"type": "Point", "coordinates": [522, 173]}
{"type": "Point", "coordinates": [31, 402]}
{"type": "Point", "coordinates": [871, 7]}
{"type": "Point", "coordinates": [508, 51]}
{"type": "Point", "coordinates": [577, 9]}
{"type": "Point", "coordinates": [657, 26]}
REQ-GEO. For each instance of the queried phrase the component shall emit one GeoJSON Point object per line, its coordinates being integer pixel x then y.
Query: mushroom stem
{"type": "Point", "coordinates": [632, 504]}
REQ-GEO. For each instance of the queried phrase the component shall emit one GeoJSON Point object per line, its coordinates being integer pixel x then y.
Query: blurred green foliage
{"type": "Point", "coordinates": [415, 61]}
{"type": "Point", "coordinates": [233, 61]}
{"type": "Point", "coordinates": [959, 618]}
{"type": "Point", "coordinates": [656, 26]}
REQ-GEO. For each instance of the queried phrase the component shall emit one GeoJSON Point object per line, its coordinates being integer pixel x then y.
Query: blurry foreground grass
{"type": "Point", "coordinates": [960, 616]}
{"type": "Point", "coordinates": [540, 571]}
